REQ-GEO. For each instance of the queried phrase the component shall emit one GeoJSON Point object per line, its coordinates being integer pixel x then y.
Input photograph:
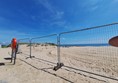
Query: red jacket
{"type": "Point", "coordinates": [13, 43]}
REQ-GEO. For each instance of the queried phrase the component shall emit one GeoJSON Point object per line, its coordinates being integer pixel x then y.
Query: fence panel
{"type": "Point", "coordinates": [89, 50]}
{"type": "Point", "coordinates": [24, 46]}
{"type": "Point", "coordinates": [45, 48]}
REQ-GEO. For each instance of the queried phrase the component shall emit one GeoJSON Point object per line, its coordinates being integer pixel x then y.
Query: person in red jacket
{"type": "Point", "coordinates": [14, 44]}
{"type": "Point", "coordinates": [14, 49]}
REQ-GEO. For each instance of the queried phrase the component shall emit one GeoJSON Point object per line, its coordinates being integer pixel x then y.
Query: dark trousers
{"type": "Point", "coordinates": [13, 56]}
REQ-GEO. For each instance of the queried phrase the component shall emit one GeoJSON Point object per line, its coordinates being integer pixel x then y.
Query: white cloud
{"type": "Point", "coordinates": [12, 33]}
{"type": "Point", "coordinates": [63, 38]}
{"type": "Point", "coordinates": [56, 15]}
{"type": "Point", "coordinates": [116, 1]}
{"type": "Point", "coordinates": [91, 5]}
{"type": "Point", "coordinates": [47, 5]}
{"type": "Point", "coordinates": [59, 23]}
{"type": "Point", "coordinates": [94, 2]}
{"type": "Point", "coordinates": [7, 35]}
{"type": "Point", "coordinates": [94, 8]}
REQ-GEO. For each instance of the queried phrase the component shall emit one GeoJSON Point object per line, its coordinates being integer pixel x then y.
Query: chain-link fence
{"type": "Point", "coordinates": [24, 46]}
{"type": "Point", "coordinates": [88, 50]}
{"type": "Point", "coordinates": [44, 48]}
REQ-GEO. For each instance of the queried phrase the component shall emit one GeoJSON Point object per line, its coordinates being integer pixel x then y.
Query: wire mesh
{"type": "Point", "coordinates": [45, 48]}
{"type": "Point", "coordinates": [24, 46]}
{"type": "Point", "coordinates": [89, 50]}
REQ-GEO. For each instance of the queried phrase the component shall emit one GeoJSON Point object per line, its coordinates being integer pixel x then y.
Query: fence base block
{"type": "Point", "coordinates": [32, 56]}
{"type": "Point", "coordinates": [59, 65]}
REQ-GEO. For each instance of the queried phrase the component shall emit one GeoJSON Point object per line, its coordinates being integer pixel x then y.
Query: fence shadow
{"type": "Point", "coordinates": [26, 55]}
{"type": "Point", "coordinates": [91, 73]}
{"type": "Point", "coordinates": [44, 60]}
{"type": "Point", "coordinates": [70, 69]}
{"type": "Point", "coordinates": [43, 69]}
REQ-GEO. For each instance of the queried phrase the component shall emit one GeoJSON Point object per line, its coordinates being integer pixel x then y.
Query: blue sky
{"type": "Point", "coordinates": [32, 18]}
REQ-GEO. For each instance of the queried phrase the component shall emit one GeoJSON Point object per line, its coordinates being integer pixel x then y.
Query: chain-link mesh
{"type": "Point", "coordinates": [24, 46]}
{"type": "Point", "coordinates": [45, 48]}
{"type": "Point", "coordinates": [89, 50]}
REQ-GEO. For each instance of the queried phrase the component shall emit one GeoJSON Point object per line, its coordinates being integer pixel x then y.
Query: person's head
{"type": "Point", "coordinates": [14, 39]}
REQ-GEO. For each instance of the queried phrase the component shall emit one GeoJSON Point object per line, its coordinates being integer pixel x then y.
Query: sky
{"type": "Point", "coordinates": [33, 18]}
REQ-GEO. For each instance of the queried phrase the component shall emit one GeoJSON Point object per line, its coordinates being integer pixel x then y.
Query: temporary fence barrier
{"type": "Point", "coordinates": [24, 46]}
{"type": "Point", "coordinates": [89, 50]}
{"type": "Point", "coordinates": [44, 47]}
{"type": "Point", "coordinates": [85, 49]}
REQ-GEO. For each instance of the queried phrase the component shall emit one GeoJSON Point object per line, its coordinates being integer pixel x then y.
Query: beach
{"type": "Point", "coordinates": [81, 65]}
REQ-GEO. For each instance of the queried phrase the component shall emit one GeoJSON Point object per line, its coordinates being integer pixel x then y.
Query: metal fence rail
{"type": "Point", "coordinates": [78, 39]}
{"type": "Point", "coordinates": [80, 30]}
{"type": "Point", "coordinates": [83, 35]}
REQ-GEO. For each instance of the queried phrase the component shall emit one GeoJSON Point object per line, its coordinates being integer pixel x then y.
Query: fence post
{"type": "Point", "coordinates": [17, 47]}
{"type": "Point", "coordinates": [58, 48]}
{"type": "Point", "coordinates": [30, 48]}
{"type": "Point", "coordinates": [59, 64]}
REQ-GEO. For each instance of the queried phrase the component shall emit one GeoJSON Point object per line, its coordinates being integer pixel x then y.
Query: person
{"type": "Point", "coordinates": [14, 44]}
{"type": "Point", "coordinates": [14, 49]}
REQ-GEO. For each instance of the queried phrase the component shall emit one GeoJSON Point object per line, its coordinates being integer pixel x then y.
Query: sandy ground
{"type": "Point", "coordinates": [81, 65]}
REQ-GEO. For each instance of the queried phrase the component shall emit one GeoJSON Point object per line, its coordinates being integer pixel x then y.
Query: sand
{"type": "Point", "coordinates": [81, 65]}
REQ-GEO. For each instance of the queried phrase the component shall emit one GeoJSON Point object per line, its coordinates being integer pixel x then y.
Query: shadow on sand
{"type": "Point", "coordinates": [68, 68]}
{"type": "Point", "coordinates": [7, 58]}
{"type": "Point", "coordinates": [6, 63]}
{"type": "Point", "coordinates": [27, 55]}
{"type": "Point", "coordinates": [43, 69]}
{"type": "Point", "coordinates": [1, 64]}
